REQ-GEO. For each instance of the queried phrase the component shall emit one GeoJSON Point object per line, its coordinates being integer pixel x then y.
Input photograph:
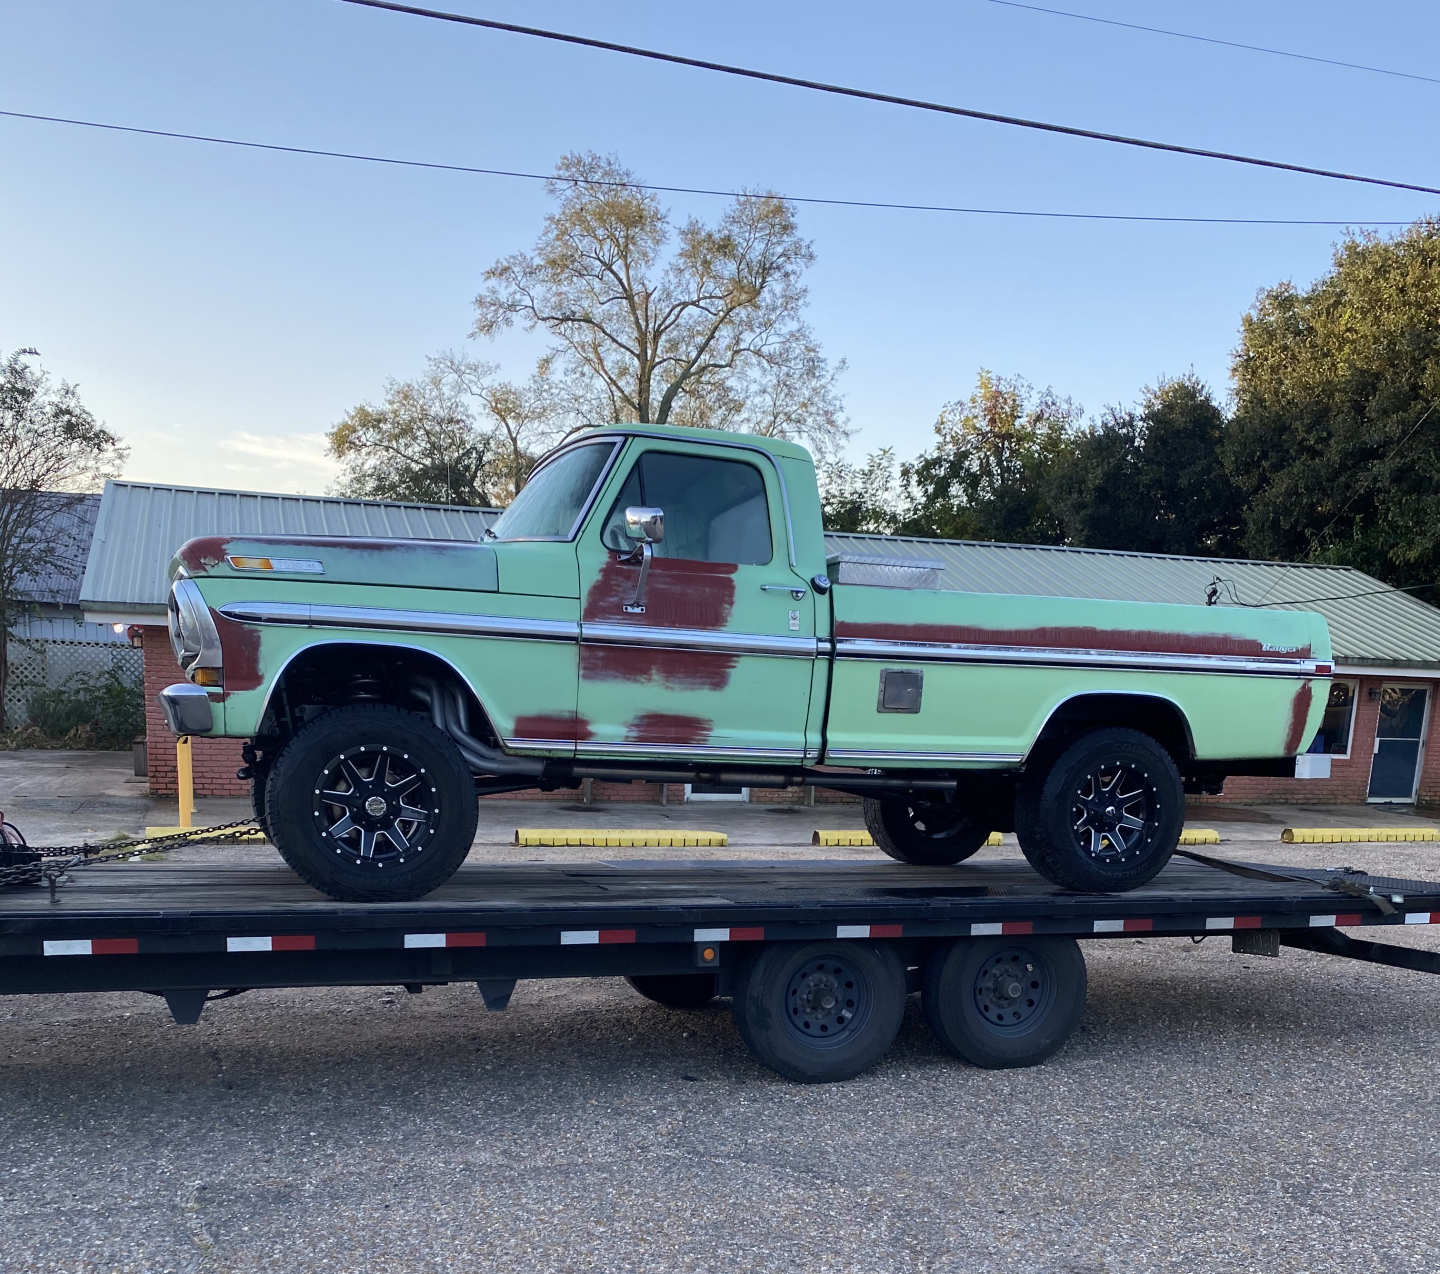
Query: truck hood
{"type": "Point", "coordinates": [447, 564]}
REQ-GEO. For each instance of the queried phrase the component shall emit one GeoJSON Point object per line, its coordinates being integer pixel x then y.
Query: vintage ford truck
{"type": "Point", "coordinates": [657, 604]}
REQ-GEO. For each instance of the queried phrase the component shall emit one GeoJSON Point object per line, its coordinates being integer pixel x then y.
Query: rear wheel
{"type": "Point", "coordinates": [370, 803]}
{"type": "Point", "coordinates": [927, 833]}
{"type": "Point", "coordinates": [1003, 1002]}
{"type": "Point", "coordinates": [1105, 815]}
{"type": "Point", "coordinates": [822, 1011]}
{"type": "Point", "coordinates": [676, 990]}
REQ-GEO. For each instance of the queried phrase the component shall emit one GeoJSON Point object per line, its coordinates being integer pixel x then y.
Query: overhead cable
{"type": "Point", "coordinates": [892, 99]}
{"type": "Point", "coordinates": [682, 190]}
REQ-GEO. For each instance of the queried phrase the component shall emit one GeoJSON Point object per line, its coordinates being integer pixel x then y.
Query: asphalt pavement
{"type": "Point", "coordinates": [1214, 1112]}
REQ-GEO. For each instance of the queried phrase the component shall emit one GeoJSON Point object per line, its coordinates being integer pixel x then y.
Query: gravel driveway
{"type": "Point", "coordinates": [1214, 1112]}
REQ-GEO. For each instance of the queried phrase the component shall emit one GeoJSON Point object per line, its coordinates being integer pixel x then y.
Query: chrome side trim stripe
{"type": "Point", "coordinates": [959, 652]}
{"type": "Point", "coordinates": [688, 749]}
{"type": "Point", "coordinates": [698, 639]}
{"type": "Point", "coordinates": [423, 621]}
{"type": "Point", "coordinates": [986, 758]}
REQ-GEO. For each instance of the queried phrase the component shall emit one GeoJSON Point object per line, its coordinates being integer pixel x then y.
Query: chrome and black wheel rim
{"type": "Point", "coordinates": [1114, 812]}
{"type": "Point", "coordinates": [1013, 988]}
{"type": "Point", "coordinates": [827, 999]}
{"type": "Point", "coordinates": [375, 804]}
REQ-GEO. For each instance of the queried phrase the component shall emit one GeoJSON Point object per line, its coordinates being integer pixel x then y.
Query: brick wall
{"type": "Point", "coordinates": [215, 760]}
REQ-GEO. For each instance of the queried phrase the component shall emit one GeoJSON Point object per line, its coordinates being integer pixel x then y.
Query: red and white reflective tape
{"type": "Point", "coordinates": [1422, 917]}
{"type": "Point", "coordinates": [995, 928]}
{"type": "Point", "coordinates": [1130, 924]}
{"type": "Point", "coordinates": [444, 940]}
{"type": "Point", "coordinates": [1232, 922]}
{"type": "Point", "coordinates": [92, 946]}
{"type": "Point", "coordinates": [754, 933]}
{"type": "Point", "coordinates": [590, 937]}
{"type": "Point", "coordinates": [276, 942]}
{"type": "Point", "coordinates": [868, 931]}
{"type": "Point", "coordinates": [1340, 919]}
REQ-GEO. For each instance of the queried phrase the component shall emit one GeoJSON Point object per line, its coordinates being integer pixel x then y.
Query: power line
{"type": "Point", "coordinates": [680, 190]}
{"type": "Point", "coordinates": [1210, 39]}
{"type": "Point", "coordinates": [892, 99]}
{"type": "Point", "coordinates": [1339, 597]}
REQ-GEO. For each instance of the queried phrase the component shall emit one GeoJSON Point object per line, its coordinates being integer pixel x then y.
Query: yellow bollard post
{"type": "Point", "coordinates": [185, 781]}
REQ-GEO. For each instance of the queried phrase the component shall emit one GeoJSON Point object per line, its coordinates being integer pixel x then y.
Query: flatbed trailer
{"type": "Point", "coordinates": [817, 957]}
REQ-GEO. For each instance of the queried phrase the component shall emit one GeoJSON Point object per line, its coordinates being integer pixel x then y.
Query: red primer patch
{"type": "Point", "coordinates": [203, 552]}
{"type": "Point", "coordinates": [667, 727]}
{"type": "Point", "coordinates": [1110, 640]}
{"type": "Point", "coordinates": [553, 725]}
{"type": "Point", "coordinates": [240, 651]}
{"type": "Point", "coordinates": [679, 593]}
{"type": "Point", "coordinates": [1299, 712]}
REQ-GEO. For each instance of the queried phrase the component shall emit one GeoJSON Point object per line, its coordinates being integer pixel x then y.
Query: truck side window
{"type": "Point", "coordinates": [715, 510]}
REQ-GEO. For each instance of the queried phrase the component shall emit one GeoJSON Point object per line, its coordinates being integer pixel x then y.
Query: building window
{"type": "Point", "coordinates": [1333, 737]}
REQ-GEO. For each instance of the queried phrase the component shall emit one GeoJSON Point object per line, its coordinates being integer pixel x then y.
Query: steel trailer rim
{"type": "Point", "coordinates": [375, 804]}
{"type": "Point", "coordinates": [1013, 990]}
{"type": "Point", "coordinates": [828, 1000]}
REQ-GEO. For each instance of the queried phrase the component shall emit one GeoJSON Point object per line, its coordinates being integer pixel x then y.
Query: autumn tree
{"type": "Point", "coordinates": [455, 435]}
{"type": "Point", "coordinates": [52, 452]}
{"type": "Point", "coordinates": [860, 497]}
{"type": "Point", "coordinates": [690, 324]}
{"type": "Point", "coordinates": [988, 474]}
{"type": "Point", "coordinates": [1335, 442]}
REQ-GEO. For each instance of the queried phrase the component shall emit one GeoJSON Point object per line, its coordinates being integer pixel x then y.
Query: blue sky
{"type": "Point", "coordinates": [222, 308]}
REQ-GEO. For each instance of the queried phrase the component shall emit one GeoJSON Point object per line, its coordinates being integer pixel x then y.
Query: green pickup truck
{"type": "Point", "coordinates": [657, 604]}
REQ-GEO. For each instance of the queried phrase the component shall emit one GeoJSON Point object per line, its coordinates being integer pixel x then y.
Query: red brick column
{"type": "Point", "coordinates": [215, 760]}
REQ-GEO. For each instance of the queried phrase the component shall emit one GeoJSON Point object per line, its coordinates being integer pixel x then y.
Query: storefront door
{"type": "Point", "coordinates": [1399, 742]}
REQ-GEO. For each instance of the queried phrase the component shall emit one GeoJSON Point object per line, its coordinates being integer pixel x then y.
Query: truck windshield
{"type": "Point", "coordinates": [549, 505]}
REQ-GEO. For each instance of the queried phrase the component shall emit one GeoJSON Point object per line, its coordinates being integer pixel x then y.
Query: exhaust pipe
{"type": "Point", "coordinates": [451, 714]}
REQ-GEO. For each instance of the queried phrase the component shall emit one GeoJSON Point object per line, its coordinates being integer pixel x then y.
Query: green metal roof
{"type": "Point", "coordinates": [1384, 629]}
{"type": "Point", "coordinates": [141, 524]}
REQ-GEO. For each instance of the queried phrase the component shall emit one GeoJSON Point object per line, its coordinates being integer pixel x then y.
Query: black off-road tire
{"type": "Point", "coordinates": [1073, 786]}
{"type": "Point", "coordinates": [257, 799]}
{"type": "Point", "coordinates": [685, 991]}
{"type": "Point", "coordinates": [1004, 1002]}
{"type": "Point", "coordinates": [367, 736]}
{"type": "Point", "coordinates": [822, 1011]}
{"type": "Point", "coordinates": [927, 834]}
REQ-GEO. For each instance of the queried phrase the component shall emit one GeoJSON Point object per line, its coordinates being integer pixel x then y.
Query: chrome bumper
{"type": "Point", "coordinates": [186, 708]}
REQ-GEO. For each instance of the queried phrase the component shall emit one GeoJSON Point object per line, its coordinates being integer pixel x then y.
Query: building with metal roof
{"type": "Point", "coordinates": [141, 524]}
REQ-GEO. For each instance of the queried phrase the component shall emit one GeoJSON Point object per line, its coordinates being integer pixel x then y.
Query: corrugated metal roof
{"type": "Point", "coordinates": [141, 524]}
{"type": "Point", "coordinates": [65, 522]}
{"type": "Point", "coordinates": [1384, 628]}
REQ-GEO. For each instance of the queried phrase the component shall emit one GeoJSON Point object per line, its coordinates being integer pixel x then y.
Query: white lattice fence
{"type": "Point", "coordinates": [38, 665]}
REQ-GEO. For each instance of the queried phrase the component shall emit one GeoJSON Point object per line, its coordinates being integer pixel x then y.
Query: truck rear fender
{"type": "Point", "coordinates": [1159, 717]}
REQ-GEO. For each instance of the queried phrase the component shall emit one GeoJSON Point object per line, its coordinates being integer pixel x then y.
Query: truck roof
{"type": "Point", "coordinates": [687, 433]}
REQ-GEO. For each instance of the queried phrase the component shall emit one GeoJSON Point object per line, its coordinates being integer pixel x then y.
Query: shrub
{"type": "Point", "coordinates": [103, 710]}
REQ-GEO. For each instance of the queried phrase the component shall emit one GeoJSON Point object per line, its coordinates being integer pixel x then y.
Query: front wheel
{"type": "Point", "coordinates": [926, 833]}
{"type": "Point", "coordinates": [370, 803]}
{"type": "Point", "coordinates": [1105, 815]}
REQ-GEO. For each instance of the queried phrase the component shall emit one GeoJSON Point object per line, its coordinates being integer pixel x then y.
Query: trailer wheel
{"type": "Point", "coordinates": [1105, 816]}
{"type": "Point", "coordinates": [1003, 1002]}
{"type": "Point", "coordinates": [926, 833]}
{"type": "Point", "coordinates": [370, 803]}
{"type": "Point", "coordinates": [823, 1011]}
{"type": "Point", "coordinates": [676, 990]}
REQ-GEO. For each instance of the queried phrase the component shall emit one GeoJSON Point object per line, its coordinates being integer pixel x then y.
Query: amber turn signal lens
{"type": "Point", "coordinates": [207, 677]}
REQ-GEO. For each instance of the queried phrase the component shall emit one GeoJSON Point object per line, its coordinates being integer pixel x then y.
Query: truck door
{"type": "Point", "coordinates": [711, 656]}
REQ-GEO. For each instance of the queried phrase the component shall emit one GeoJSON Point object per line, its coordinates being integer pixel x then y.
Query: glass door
{"type": "Point", "coordinates": [1399, 742]}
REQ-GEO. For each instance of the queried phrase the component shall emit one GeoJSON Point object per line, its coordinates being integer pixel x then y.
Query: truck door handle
{"type": "Point", "coordinates": [797, 591]}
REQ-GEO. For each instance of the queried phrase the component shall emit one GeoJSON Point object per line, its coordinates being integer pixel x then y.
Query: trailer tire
{"type": "Point", "coordinates": [822, 1011]}
{"type": "Point", "coordinates": [684, 991]}
{"type": "Point", "coordinates": [927, 834]}
{"type": "Point", "coordinates": [1005, 1002]}
{"type": "Point", "coordinates": [1105, 815]}
{"type": "Point", "coordinates": [404, 812]}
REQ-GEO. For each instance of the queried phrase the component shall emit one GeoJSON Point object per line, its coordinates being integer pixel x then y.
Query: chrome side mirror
{"type": "Point", "coordinates": [648, 526]}
{"type": "Point", "coordinates": [643, 523]}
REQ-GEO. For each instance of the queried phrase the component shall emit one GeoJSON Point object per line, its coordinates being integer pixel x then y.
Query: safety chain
{"type": "Point", "coordinates": [51, 864]}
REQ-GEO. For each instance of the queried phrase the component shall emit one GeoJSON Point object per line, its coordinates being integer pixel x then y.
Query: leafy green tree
{"type": "Point", "coordinates": [860, 497]}
{"type": "Point", "coordinates": [1150, 479]}
{"type": "Point", "coordinates": [1335, 443]}
{"type": "Point", "coordinates": [988, 475]}
{"type": "Point", "coordinates": [696, 324]}
{"type": "Point", "coordinates": [52, 451]}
